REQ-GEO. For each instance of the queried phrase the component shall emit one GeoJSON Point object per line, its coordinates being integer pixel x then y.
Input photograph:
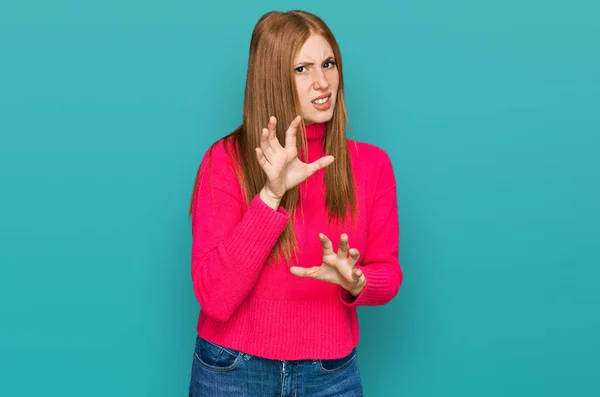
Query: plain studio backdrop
{"type": "Point", "coordinates": [490, 113]}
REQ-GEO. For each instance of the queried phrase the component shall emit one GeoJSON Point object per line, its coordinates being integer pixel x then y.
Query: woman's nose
{"type": "Point", "coordinates": [320, 81]}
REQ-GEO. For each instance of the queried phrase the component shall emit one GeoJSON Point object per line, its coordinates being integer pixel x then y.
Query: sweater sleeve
{"type": "Point", "coordinates": [230, 243]}
{"type": "Point", "coordinates": [380, 263]}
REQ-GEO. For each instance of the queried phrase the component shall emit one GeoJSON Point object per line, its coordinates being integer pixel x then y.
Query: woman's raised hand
{"type": "Point", "coordinates": [281, 163]}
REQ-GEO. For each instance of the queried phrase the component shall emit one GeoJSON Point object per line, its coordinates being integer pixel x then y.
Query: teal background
{"type": "Point", "coordinates": [489, 111]}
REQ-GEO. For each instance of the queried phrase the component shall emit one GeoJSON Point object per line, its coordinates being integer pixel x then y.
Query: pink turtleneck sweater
{"type": "Point", "coordinates": [258, 306]}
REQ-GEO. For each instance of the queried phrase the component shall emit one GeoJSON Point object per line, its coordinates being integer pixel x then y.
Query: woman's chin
{"type": "Point", "coordinates": [320, 117]}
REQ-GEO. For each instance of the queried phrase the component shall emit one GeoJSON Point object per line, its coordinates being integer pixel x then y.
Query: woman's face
{"type": "Point", "coordinates": [317, 79]}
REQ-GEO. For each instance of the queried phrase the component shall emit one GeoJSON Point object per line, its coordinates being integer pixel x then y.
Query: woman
{"type": "Point", "coordinates": [278, 299]}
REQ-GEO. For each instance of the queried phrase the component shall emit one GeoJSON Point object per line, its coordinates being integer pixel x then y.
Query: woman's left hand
{"type": "Point", "coordinates": [336, 268]}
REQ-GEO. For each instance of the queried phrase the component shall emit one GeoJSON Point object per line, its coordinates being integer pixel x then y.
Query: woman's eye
{"type": "Point", "coordinates": [326, 65]}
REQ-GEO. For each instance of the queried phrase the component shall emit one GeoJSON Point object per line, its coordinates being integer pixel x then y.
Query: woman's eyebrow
{"type": "Point", "coordinates": [312, 63]}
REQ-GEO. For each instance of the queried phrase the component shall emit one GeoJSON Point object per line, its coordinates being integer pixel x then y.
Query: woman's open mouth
{"type": "Point", "coordinates": [322, 103]}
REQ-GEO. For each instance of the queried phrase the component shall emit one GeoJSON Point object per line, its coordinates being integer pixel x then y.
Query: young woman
{"type": "Point", "coordinates": [276, 208]}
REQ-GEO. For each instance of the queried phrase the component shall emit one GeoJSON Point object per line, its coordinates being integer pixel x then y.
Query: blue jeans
{"type": "Point", "coordinates": [222, 372]}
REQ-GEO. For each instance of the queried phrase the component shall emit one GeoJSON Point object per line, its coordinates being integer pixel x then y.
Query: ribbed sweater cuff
{"type": "Point", "coordinates": [257, 234]}
{"type": "Point", "coordinates": [375, 292]}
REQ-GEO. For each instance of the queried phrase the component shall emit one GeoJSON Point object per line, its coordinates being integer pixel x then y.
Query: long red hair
{"type": "Point", "coordinates": [271, 91]}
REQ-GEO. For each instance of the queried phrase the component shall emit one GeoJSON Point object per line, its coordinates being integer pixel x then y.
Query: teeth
{"type": "Point", "coordinates": [321, 101]}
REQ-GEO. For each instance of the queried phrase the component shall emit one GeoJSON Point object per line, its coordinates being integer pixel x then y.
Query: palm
{"type": "Point", "coordinates": [334, 270]}
{"type": "Point", "coordinates": [296, 172]}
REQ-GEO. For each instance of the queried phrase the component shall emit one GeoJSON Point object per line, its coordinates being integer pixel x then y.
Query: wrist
{"type": "Point", "coordinates": [362, 282]}
{"type": "Point", "coordinates": [269, 198]}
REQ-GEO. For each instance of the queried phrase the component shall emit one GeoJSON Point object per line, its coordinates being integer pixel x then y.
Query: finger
{"type": "Point", "coordinates": [356, 273]}
{"type": "Point", "coordinates": [354, 255]}
{"type": "Point", "coordinates": [264, 144]}
{"type": "Point", "coordinates": [262, 160]}
{"type": "Point", "coordinates": [304, 271]}
{"type": "Point", "coordinates": [273, 140]}
{"type": "Point", "coordinates": [272, 127]}
{"type": "Point", "coordinates": [290, 134]}
{"type": "Point", "coordinates": [327, 246]}
{"type": "Point", "coordinates": [319, 164]}
{"type": "Point", "coordinates": [344, 247]}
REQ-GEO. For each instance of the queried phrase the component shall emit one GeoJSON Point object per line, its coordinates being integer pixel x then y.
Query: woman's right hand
{"type": "Point", "coordinates": [281, 163]}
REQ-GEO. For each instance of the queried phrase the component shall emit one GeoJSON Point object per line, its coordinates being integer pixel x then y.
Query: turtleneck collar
{"type": "Point", "coordinates": [315, 138]}
{"type": "Point", "coordinates": [316, 132]}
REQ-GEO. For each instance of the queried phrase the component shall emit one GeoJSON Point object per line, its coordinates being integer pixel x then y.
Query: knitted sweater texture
{"type": "Point", "coordinates": [253, 304]}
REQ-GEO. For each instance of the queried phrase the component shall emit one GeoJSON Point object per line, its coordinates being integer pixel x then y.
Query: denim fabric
{"type": "Point", "coordinates": [222, 372]}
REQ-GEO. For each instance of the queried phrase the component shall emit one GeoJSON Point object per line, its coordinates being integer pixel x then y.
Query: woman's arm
{"type": "Point", "coordinates": [380, 265]}
{"type": "Point", "coordinates": [229, 247]}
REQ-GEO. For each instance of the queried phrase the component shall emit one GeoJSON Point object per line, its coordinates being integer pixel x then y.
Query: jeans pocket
{"type": "Point", "coordinates": [215, 357]}
{"type": "Point", "coordinates": [337, 364]}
